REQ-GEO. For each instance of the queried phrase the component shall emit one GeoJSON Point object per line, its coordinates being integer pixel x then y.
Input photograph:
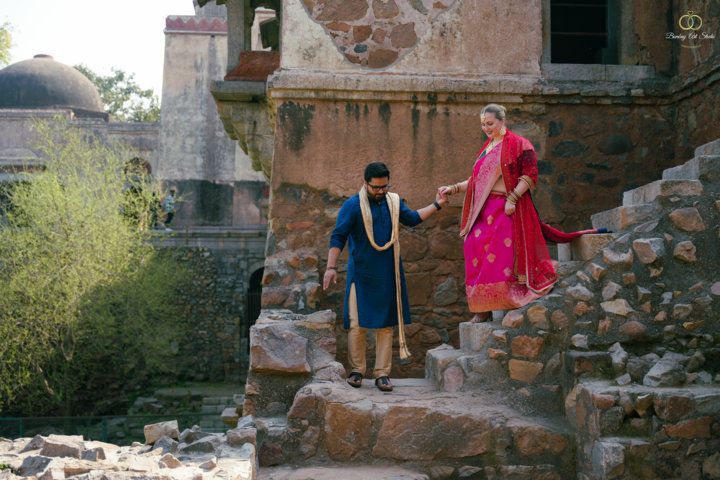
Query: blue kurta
{"type": "Point", "coordinates": [372, 272]}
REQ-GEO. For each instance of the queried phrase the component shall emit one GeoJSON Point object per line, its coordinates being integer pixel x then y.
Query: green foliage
{"type": "Point", "coordinates": [123, 97]}
{"type": "Point", "coordinates": [86, 303]}
{"type": "Point", "coordinates": [5, 43]}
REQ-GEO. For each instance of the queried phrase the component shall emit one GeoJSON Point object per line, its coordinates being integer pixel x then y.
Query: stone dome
{"type": "Point", "coordinates": [43, 83]}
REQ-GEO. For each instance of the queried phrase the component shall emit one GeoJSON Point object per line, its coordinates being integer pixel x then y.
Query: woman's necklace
{"type": "Point", "coordinates": [493, 142]}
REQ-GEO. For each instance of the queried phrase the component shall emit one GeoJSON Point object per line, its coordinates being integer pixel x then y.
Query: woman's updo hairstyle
{"type": "Point", "coordinates": [498, 110]}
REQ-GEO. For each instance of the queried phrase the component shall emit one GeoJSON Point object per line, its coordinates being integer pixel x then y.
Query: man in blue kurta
{"type": "Point", "coordinates": [368, 222]}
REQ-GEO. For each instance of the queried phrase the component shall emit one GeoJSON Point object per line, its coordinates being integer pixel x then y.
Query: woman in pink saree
{"type": "Point", "coordinates": [507, 264]}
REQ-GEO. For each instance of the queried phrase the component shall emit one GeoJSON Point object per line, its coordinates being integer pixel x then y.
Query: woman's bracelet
{"type": "Point", "coordinates": [528, 181]}
{"type": "Point", "coordinates": [513, 197]}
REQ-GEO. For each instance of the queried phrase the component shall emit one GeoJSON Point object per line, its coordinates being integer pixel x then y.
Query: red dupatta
{"type": "Point", "coordinates": [533, 265]}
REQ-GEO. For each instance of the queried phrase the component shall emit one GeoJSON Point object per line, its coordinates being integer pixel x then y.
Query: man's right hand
{"type": "Point", "coordinates": [330, 277]}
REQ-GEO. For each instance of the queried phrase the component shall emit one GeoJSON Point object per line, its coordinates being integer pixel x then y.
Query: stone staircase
{"type": "Point", "coordinates": [224, 408]}
{"type": "Point", "coordinates": [613, 375]}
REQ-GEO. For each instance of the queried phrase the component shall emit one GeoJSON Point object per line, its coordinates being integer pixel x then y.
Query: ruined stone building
{"type": "Point", "coordinates": [219, 228]}
{"type": "Point", "coordinates": [42, 88]}
{"type": "Point", "coordinates": [404, 81]}
{"type": "Point", "coordinates": [614, 97]}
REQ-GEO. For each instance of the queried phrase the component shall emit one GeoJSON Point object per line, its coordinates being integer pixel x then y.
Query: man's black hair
{"type": "Point", "coordinates": [376, 170]}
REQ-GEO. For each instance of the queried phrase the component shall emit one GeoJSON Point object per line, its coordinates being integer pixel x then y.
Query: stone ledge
{"type": "Point", "coordinates": [388, 87]}
{"type": "Point", "coordinates": [661, 188]}
{"type": "Point", "coordinates": [620, 218]}
{"type": "Point", "coordinates": [418, 424]}
{"type": "Point", "coordinates": [599, 72]}
{"type": "Point", "coordinates": [702, 167]}
{"type": "Point", "coordinates": [237, 90]}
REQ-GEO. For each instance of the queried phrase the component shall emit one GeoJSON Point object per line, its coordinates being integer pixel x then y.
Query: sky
{"type": "Point", "coordinates": [102, 34]}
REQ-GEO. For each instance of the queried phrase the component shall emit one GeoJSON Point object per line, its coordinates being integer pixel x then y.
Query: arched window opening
{"type": "Point", "coordinates": [253, 304]}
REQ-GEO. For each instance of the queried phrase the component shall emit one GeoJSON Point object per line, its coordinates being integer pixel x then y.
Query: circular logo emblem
{"type": "Point", "coordinates": [690, 21]}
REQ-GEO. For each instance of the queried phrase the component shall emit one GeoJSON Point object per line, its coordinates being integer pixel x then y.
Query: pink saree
{"type": "Point", "coordinates": [491, 279]}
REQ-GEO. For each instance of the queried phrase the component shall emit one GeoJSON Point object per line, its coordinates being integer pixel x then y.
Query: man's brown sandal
{"type": "Point", "coordinates": [355, 379]}
{"type": "Point", "coordinates": [383, 384]}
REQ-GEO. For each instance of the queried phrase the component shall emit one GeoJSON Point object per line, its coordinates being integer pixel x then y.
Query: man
{"type": "Point", "coordinates": [168, 206]}
{"type": "Point", "coordinates": [375, 294]}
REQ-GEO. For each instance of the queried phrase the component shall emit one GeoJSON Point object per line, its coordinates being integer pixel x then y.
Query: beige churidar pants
{"type": "Point", "coordinates": [356, 343]}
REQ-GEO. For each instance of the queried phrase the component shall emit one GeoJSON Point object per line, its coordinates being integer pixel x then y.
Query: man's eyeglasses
{"type": "Point", "coordinates": [379, 188]}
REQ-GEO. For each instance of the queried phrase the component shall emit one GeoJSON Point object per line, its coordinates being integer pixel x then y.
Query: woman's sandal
{"type": "Point", "coordinates": [478, 318]}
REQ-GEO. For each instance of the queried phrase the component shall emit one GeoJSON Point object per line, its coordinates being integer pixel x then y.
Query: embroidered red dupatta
{"type": "Point", "coordinates": [533, 265]}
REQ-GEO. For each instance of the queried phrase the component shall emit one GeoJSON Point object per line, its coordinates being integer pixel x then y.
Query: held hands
{"type": "Point", "coordinates": [447, 190]}
{"type": "Point", "coordinates": [329, 277]}
{"type": "Point", "coordinates": [443, 192]}
{"type": "Point", "coordinates": [440, 198]}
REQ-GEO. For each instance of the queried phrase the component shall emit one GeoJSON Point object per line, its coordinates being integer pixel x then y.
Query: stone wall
{"type": "Point", "coordinates": [18, 142]}
{"type": "Point", "coordinates": [215, 303]}
{"type": "Point", "coordinates": [589, 154]}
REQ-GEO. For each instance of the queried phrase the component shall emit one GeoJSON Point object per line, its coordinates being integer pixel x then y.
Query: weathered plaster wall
{"type": "Point", "coordinates": [189, 145]}
{"type": "Point", "coordinates": [588, 153]}
{"type": "Point", "coordinates": [18, 141]}
{"type": "Point", "coordinates": [698, 72]}
{"type": "Point", "coordinates": [214, 178]}
{"type": "Point", "coordinates": [142, 138]}
{"type": "Point", "coordinates": [693, 53]}
{"type": "Point", "coordinates": [466, 37]}
{"type": "Point", "coordinates": [643, 27]}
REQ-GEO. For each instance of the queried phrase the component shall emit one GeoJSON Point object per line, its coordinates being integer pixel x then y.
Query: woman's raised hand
{"type": "Point", "coordinates": [444, 191]}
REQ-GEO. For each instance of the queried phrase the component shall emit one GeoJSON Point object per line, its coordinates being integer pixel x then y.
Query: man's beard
{"type": "Point", "coordinates": [376, 196]}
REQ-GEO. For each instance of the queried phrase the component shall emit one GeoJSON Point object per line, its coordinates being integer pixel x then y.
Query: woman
{"type": "Point", "coordinates": [507, 264]}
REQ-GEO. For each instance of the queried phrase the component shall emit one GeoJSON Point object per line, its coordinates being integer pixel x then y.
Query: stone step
{"type": "Point", "coordinates": [393, 472]}
{"type": "Point", "coordinates": [341, 471]}
{"type": "Point", "coordinates": [473, 365]}
{"type": "Point", "coordinates": [438, 360]}
{"type": "Point", "coordinates": [474, 336]}
{"type": "Point", "coordinates": [628, 431]}
{"type": "Point", "coordinates": [417, 425]}
{"type": "Point", "coordinates": [704, 167]}
{"type": "Point", "coordinates": [620, 218]}
{"type": "Point", "coordinates": [661, 188]}
{"type": "Point", "coordinates": [563, 269]}
{"type": "Point", "coordinates": [207, 409]}
{"type": "Point", "coordinates": [585, 247]}
{"type": "Point", "coordinates": [711, 148]}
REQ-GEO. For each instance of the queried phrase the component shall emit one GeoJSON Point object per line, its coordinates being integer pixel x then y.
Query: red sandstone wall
{"type": "Point", "coordinates": [589, 155]}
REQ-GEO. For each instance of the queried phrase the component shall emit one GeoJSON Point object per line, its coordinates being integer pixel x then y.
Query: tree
{"type": "Point", "coordinates": [87, 306]}
{"type": "Point", "coordinates": [124, 98]}
{"type": "Point", "coordinates": [5, 43]}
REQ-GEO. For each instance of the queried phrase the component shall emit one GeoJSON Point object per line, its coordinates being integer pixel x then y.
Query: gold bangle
{"type": "Point", "coordinates": [528, 181]}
